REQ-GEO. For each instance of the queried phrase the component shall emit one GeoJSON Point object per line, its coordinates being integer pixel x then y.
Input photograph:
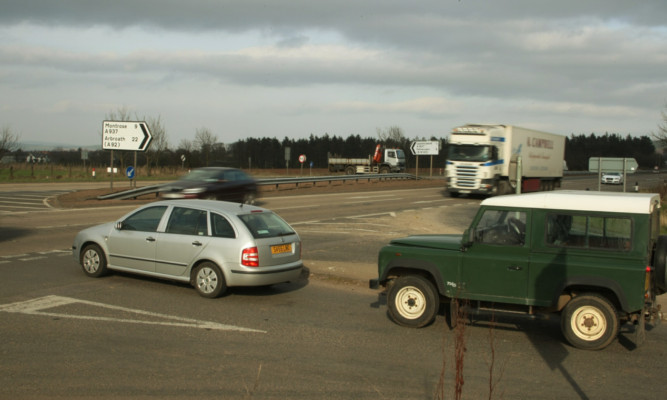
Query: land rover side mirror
{"type": "Point", "coordinates": [468, 238]}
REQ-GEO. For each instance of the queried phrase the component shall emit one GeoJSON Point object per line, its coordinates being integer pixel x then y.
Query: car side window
{"type": "Point", "coordinates": [220, 227]}
{"type": "Point", "coordinates": [187, 221]}
{"type": "Point", "coordinates": [145, 220]}
{"type": "Point", "coordinates": [501, 227]}
{"type": "Point", "coordinates": [584, 231]}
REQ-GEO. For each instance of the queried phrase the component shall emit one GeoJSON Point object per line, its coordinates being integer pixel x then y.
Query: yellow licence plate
{"type": "Point", "coordinates": [283, 248]}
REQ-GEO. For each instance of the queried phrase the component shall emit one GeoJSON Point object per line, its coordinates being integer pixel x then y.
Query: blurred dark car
{"type": "Point", "coordinates": [213, 183]}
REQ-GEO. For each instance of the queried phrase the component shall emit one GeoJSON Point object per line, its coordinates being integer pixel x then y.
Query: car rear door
{"type": "Point", "coordinates": [185, 237]}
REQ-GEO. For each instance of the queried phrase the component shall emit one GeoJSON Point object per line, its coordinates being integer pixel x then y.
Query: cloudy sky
{"type": "Point", "coordinates": [291, 68]}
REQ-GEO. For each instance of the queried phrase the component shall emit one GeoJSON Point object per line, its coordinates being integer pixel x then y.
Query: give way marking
{"type": "Point", "coordinates": [40, 306]}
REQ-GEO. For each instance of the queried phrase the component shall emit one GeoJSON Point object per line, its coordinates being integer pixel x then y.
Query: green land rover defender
{"type": "Point", "coordinates": [597, 258]}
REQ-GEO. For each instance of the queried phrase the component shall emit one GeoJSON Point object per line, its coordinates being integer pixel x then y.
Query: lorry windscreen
{"type": "Point", "coordinates": [468, 152]}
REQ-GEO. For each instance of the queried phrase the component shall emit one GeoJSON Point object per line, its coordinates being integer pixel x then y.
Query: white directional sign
{"type": "Point", "coordinates": [612, 164]}
{"type": "Point", "coordinates": [125, 135]}
{"type": "Point", "coordinates": [425, 148]}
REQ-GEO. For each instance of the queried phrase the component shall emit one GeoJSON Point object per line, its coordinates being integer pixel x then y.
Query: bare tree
{"type": "Point", "coordinates": [205, 139]}
{"type": "Point", "coordinates": [661, 135]}
{"type": "Point", "coordinates": [158, 144]}
{"type": "Point", "coordinates": [391, 136]}
{"type": "Point", "coordinates": [185, 145]}
{"type": "Point", "coordinates": [8, 140]}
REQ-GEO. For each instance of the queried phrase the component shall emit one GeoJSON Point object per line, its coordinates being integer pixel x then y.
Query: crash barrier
{"type": "Point", "coordinates": [142, 191]}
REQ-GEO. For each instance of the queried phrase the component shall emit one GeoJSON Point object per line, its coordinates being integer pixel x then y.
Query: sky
{"type": "Point", "coordinates": [292, 68]}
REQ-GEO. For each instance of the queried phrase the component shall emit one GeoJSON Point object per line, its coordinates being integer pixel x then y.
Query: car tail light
{"type": "Point", "coordinates": [250, 257]}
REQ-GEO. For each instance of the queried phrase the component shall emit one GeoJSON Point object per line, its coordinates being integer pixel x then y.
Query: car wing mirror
{"type": "Point", "coordinates": [119, 225]}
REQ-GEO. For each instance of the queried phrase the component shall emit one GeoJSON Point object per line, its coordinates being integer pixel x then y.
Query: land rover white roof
{"type": "Point", "coordinates": [580, 200]}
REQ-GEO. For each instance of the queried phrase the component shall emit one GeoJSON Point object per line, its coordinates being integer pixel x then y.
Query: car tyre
{"type": "Point", "coordinates": [412, 301]}
{"type": "Point", "coordinates": [249, 198]}
{"type": "Point", "coordinates": [93, 261]}
{"type": "Point", "coordinates": [589, 322]}
{"type": "Point", "coordinates": [208, 280]}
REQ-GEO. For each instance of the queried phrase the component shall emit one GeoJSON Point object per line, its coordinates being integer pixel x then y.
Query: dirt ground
{"type": "Point", "coordinates": [88, 198]}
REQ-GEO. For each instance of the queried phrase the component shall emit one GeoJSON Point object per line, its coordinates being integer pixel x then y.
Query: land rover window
{"type": "Point", "coordinates": [612, 233]}
{"type": "Point", "coordinates": [501, 227]}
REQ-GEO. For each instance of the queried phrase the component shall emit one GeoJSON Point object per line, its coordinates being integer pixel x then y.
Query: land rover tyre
{"type": "Point", "coordinates": [589, 322]}
{"type": "Point", "coordinates": [660, 264]}
{"type": "Point", "coordinates": [208, 280]}
{"type": "Point", "coordinates": [412, 301]}
{"type": "Point", "coordinates": [93, 261]}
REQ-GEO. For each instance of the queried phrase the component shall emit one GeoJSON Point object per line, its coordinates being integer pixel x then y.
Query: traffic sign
{"type": "Point", "coordinates": [612, 164]}
{"type": "Point", "coordinates": [130, 172]}
{"type": "Point", "coordinates": [125, 135]}
{"type": "Point", "coordinates": [425, 148]}
{"type": "Point", "coordinates": [302, 158]}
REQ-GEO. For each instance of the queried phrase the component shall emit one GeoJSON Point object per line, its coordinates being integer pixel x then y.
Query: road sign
{"type": "Point", "coordinates": [425, 148]}
{"type": "Point", "coordinates": [125, 135]}
{"type": "Point", "coordinates": [130, 172]}
{"type": "Point", "coordinates": [612, 164]}
{"type": "Point", "coordinates": [302, 158]}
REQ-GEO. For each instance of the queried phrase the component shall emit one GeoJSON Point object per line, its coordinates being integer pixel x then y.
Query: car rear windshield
{"type": "Point", "coordinates": [266, 225]}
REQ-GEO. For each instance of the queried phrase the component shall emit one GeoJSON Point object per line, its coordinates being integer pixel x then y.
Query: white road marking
{"type": "Point", "coordinates": [36, 307]}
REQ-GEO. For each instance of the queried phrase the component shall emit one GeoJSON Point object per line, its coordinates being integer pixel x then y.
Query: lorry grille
{"type": "Point", "coordinates": [466, 176]}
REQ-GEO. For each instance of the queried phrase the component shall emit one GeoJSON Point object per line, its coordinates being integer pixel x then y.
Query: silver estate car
{"type": "Point", "coordinates": [210, 244]}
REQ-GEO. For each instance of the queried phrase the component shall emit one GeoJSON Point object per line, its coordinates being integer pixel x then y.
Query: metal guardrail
{"type": "Point", "coordinates": [134, 193]}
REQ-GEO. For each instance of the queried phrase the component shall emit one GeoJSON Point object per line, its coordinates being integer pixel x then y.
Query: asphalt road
{"type": "Point", "coordinates": [65, 335]}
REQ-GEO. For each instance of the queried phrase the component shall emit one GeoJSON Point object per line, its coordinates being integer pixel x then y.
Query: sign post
{"type": "Point", "coordinates": [425, 148]}
{"type": "Point", "coordinates": [302, 159]}
{"type": "Point", "coordinates": [612, 164]}
{"type": "Point", "coordinates": [125, 135]}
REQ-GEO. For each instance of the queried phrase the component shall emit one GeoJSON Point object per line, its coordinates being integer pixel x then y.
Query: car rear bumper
{"type": "Point", "coordinates": [265, 276]}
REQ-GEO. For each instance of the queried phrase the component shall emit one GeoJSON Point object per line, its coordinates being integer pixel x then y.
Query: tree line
{"type": "Point", "coordinates": [270, 153]}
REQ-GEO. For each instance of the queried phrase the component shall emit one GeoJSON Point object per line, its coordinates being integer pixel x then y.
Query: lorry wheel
{"type": "Point", "coordinates": [384, 170]}
{"type": "Point", "coordinates": [660, 263]}
{"type": "Point", "coordinates": [350, 171]}
{"type": "Point", "coordinates": [589, 322]}
{"type": "Point", "coordinates": [412, 301]}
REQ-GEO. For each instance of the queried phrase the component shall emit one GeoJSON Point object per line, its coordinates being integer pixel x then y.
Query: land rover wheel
{"type": "Point", "coordinates": [589, 322]}
{"type": "Point", "coordinates": [412, 301]}
{"type": "Point", "coordinates": [660, 263]}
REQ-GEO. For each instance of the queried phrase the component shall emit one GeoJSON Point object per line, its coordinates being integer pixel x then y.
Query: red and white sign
{"type": "Point", "coordinates": [302, 158]}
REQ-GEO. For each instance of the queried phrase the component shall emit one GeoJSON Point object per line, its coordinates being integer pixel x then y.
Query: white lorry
{"type": "Point", "coordinates": [495, 159]}
{"type": "Point", "coordinates": [383, 161]}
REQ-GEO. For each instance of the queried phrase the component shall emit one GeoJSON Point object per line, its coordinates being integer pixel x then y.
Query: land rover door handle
{"type": "Point", "coordinates": [514, 268]}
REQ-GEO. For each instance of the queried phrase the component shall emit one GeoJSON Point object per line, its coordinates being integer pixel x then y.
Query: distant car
{"type": "Point", "coordinates": [614, 178]}
{"type": "Point", "coordinates": [213, 183]}
{"type": "Point", "coordinates": [210, 244]}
